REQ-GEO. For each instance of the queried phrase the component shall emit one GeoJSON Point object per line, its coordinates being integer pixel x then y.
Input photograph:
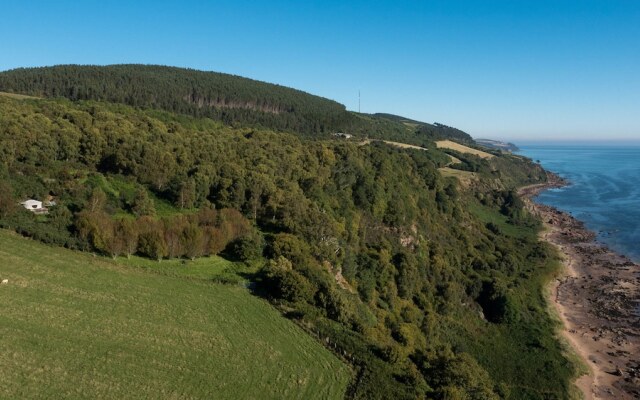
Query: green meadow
{"type": "Point", "coordinates": [78, 326]}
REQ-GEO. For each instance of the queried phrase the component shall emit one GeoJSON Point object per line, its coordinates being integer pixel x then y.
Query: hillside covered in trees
{"type": "Point", "coordinates": [230, 99]}
{"type": "Point", "coordinates": [435, 131]}
{"type": "Point", "coordinates": [426, 287]}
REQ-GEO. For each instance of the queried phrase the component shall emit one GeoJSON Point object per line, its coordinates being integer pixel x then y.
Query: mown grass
{"type": "Point", "coordinates": [78, 326]}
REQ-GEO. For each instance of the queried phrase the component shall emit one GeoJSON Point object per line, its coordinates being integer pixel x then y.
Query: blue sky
{"type": "Point", "coordinates": [500, 69]}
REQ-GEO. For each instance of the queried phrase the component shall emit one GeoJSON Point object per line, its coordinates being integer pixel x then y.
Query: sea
{"type": "Point", "coordinates": [604, 190]}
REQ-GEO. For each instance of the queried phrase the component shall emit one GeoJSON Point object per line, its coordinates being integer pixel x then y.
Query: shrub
{"type": "Point", "coordinates": [248, 247]}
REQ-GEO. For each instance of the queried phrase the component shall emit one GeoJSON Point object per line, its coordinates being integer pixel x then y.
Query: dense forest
{"type": "Point", "coordinates": [428, 288]}
{"type": "Point", "coordinates": [230, 99]}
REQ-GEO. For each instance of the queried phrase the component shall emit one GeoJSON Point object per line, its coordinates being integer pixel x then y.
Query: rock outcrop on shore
{"type": "Point", "coordinates": [597, 298]}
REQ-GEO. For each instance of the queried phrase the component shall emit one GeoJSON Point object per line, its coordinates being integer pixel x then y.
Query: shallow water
{"type": "Point", "coordinates": [604, 190]}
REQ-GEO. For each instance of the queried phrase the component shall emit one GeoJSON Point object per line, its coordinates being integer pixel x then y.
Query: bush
{"type": "Point", "coordinates": [282, 282]}
{"type": "Point", "coordinates": [247, 247]}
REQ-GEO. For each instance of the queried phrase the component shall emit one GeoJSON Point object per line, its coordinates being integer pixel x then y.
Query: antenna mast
{"type": "Point", "coordinates": [358, 100]}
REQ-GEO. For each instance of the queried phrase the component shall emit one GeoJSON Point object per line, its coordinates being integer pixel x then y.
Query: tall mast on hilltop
{"type": "Point", "coordinates": [358, 101]}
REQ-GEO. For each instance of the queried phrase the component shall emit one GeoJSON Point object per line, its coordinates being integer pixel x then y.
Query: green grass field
{"type": "Point", "coordinates": [212, 268]}
{"type": "Point", "coordinates": [78, 326]}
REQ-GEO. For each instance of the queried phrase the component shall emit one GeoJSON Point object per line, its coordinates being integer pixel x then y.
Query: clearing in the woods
{"type": "Point", "coordinates": [466, 178]}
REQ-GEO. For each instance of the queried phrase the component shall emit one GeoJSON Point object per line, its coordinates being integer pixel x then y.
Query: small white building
{"type": "Point", "coordinates": [343, 135]}
{"type": "Point", "coordinates": [34, 206]}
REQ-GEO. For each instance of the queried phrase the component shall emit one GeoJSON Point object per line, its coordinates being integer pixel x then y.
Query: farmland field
{"type": "Point", "coordinates": [78, 326]}
{"type": "Point", "coordinates": [448, 144]}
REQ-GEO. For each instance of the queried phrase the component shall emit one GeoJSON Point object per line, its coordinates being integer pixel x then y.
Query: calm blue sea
{"type": "Point", "coordinates": [604, 190]}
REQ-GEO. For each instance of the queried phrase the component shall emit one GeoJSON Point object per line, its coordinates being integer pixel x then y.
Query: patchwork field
{"type": "Point", "coordinates": [448, 144]}
{"type": "Point", "coordinates": [78, 326]}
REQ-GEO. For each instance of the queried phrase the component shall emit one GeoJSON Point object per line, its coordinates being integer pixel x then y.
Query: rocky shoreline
{"type": "Point", "coordinates": [597, 298]}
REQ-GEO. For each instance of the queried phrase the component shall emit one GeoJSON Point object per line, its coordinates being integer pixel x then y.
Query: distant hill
{"type": "Point", "coordinates": [435, 131]}
{"type": "Point", "coordinates": [498, 145]}
{"type": "Point", "coordinates": [399, 118]}
{"type": "Point", "coordinates": [232, 99]}
{"type": "Point", "coordinates": [229, 98]}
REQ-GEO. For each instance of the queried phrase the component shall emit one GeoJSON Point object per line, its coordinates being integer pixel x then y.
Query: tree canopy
{"type": "Point", "coordinates": [407, 275]}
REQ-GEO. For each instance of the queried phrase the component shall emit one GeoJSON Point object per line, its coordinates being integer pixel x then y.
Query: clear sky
{"type": "Point", "coordinates": [502, 69]}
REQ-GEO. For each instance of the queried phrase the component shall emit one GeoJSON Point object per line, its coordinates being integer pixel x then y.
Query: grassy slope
{"type": "Point", "coordinates": [448, 144]}
{"type": "Point", "coordinates": [465, 177]}
{"type": "Point", "coordinates": [544, 361]}
{"type": "Point", "coordinates": [211, 268]}
{"type": "Point", "coordinates": [75, 326]}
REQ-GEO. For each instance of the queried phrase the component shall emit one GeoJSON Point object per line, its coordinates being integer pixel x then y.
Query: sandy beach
{"type": "Point", "coordinates": [597, 297]}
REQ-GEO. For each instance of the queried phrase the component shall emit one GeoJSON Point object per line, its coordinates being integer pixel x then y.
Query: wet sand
{"type": "Point", "coordinates": [597, 298]}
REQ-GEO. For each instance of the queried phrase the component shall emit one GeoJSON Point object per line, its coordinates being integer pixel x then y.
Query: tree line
{"type": "Point", "coordinates": [207, 232]}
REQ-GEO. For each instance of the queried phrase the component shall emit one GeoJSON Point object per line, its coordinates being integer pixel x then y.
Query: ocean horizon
{"type": "Point", "coordinates": [603, 190]}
